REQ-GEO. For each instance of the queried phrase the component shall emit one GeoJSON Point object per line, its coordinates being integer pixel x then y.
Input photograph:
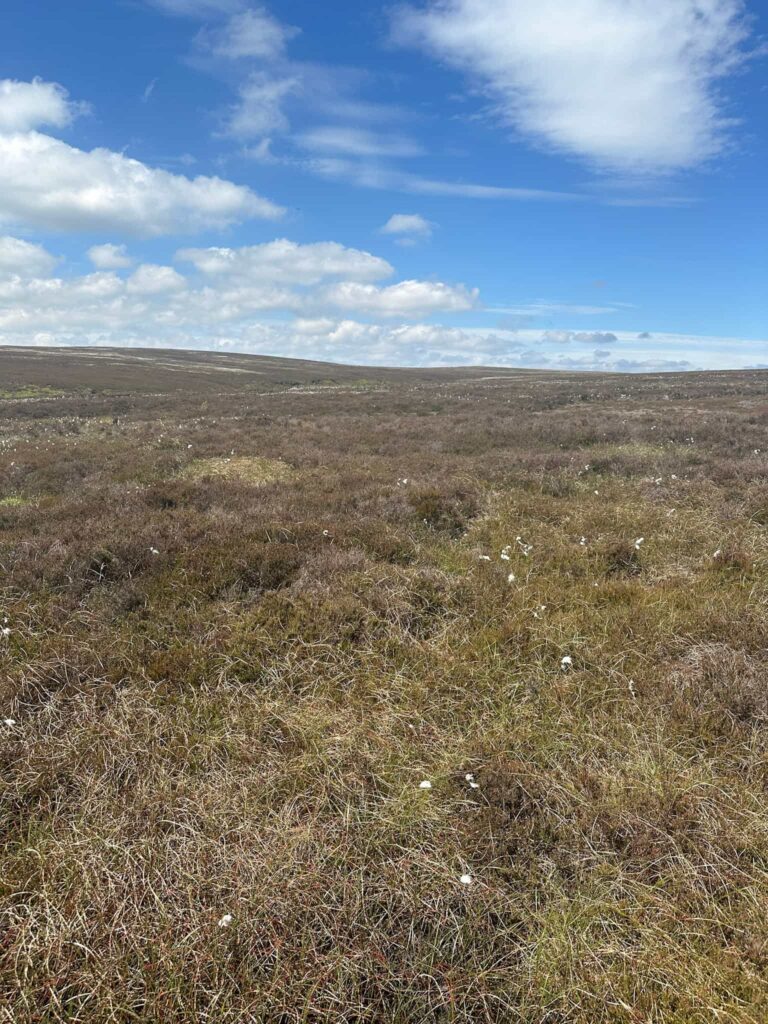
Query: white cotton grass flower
{"type": "Point", "coordinates": [6, 630]}
{"type": "Point", "coordinates": [511, 578]}
{"type": "Point", "coordinates": [639, 543]}
{"type": "Point", "coordinates": [484, 558]}
{"type": "Point", "coordinates": [469, 777]}
{"type": "Point", "coordinates": [426, 784]}
{"type": "Point", "coordinates": [466, 879]}
{"type": "Point", "coordinates": [10, 722]}
{"type": "Point", "coordinates": [566, 663]}
{"type": "Point", "coordinates": [474, 785]}
{"type": "Point", "coordinates": [583, 542]}
{"type": "Point", "coordinates": [154, 551]}
{"type": "Point", "coordinates": [225, 921]}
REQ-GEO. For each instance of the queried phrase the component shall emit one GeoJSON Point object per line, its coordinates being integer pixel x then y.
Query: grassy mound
{"type": "Point", "coordinates": [250, 469]}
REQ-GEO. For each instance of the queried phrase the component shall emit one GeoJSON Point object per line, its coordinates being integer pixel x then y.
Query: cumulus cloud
{"type": "Point", "coordinates": [289, 262]}
{"type": "Point", "coordinates": [24, 259]}
{"type": "Point", "coordinates": [152, 279]}
{"type": "Point", "coordinates": [49, 184]}
{"type": "Point", "coordinates": [238, 299]}
{"type": "Point", "coordinates": [320, 284]}
{"type": "Point", "coordinates": [407, 298]}
{"type": "Point", "coordinates": [109, 256]}
{"type": "Point", "coordinates": [408, 228]}
{"type": "Point", "coordinates": [621, 83]}
{"type": "Point", "coordinates": [35, 104]}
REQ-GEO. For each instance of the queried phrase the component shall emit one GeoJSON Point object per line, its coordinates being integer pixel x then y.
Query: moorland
{"type": "Point", "coordinates": [342, 695]}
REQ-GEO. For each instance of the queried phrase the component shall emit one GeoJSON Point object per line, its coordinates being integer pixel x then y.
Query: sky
{"type": "Point", "coordinates": [572, 184]}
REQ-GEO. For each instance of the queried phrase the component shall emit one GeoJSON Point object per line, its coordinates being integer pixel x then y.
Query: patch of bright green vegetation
{"type": "Point", "coordinates": [13, 501]}
{"type": "Point", "coordinates": [31, 391]}
{"type": "Point", "coordinates": [250, 469]}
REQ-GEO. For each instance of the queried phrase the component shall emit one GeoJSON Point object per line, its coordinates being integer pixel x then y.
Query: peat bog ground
{"type": "Point", "coordinates": [333, 695]}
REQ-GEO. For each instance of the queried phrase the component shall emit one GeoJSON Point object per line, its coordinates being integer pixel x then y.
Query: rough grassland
{"type": "Point", "coordinates": [222, 691]}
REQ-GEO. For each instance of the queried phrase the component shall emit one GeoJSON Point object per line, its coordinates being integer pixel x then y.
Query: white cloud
{"type": "Point", "coordinates": [407, 298]}
{"type": "Point", "coordinates": [259, 111]}
{"type": "Point", "coordinates": [539, 309]}
{"type": "Point", "coordinates": [239, 300]}
{"type": "Point", "coordinates": [312, 282]}
{"type": "Point", "coordinates": [358, 142]}
{"type": "Point", "coordinates": [408, 227]}
{"type": "Point", "coordinates": [583, 337]}
{"type": "Point", "coordinates": [197, 8]}
{"type": "Point", "coordinates": [109, 256]}
{"type": "Point", "coordinates": [27, 105]}
{"type": "Point", "coordinates": [151, 279]}
{"type": "Point", "coordinates": [289, 262]}
{"type": "Point", "coordinates": [622, 83]}
{"type": "Point", "coordinates": [149, 88]}
{"type": "Point", "coordinates": [371, 175]}
{"type": "Point", "coordinates": [250, 33]}
{"type": "Point", "coordinates": [46, 183]}
{"type": "Point", "coordinates": [24, 259]}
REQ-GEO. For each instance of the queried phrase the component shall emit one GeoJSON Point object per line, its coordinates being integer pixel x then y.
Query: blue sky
{"type": "Point", "coordinates": [553, 183]}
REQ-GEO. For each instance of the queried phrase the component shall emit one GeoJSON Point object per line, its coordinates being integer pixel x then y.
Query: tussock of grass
{"type": "Point", "coordinates": [225, 698]}
{"type": "Point", "coordinates": [250, 469]}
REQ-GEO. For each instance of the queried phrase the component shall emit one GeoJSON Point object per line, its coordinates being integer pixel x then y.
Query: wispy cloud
{"type": "Point", "coordinates": [197, 8]}
{"type": "Point", "coordinates": [551, 308]}
{"type": "Point", "coordinates": [147, 94]}
{"type": "Point", "coordinates": [259, 112]}
{"type": "Point", "coordinates": [622, 84]}
{"type": "Point", "coordinates": [252, 33]}
{"type": "Point", "coordinates": [358, 142]}
{"type": "Point", "coordinates": [371, 175]}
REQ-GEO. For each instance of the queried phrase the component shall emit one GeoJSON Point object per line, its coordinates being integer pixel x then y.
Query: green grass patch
{"type": "Point", "coordinates": [249, 469]}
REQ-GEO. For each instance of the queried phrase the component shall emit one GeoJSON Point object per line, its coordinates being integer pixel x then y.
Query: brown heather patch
{"type": "Point", "coordinates": [229, 676]}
